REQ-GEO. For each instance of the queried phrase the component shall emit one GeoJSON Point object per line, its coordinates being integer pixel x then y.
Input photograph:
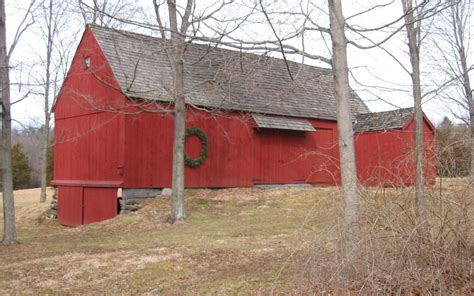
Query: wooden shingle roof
{"type": "Point", "coordinates": [221, 78]}
{"type": "Point", "coordinates": [386, 120]}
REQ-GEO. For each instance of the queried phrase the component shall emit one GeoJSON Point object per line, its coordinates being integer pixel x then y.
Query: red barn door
{"type": "Point", "coordinates": [70, 205]}
{"type": "Point", "coordinates": [83, 205]}
{"type": "Point", "coordinates": [99, 204]}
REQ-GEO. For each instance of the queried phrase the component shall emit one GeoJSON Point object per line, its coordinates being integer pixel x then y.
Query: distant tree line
{"type": "Point", "coordinates": [453, 149]}
{"type": "Point", "coordinates": [26, 157]}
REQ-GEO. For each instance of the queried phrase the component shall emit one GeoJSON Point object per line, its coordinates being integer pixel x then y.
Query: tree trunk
{"type": "Point", "coordinates": [467, 87]}
{"type": "Point", "coordinates": [344, 124]}
{"type": "Point", "coordinates": [470, 103]}
{"type": "Point", "coordinates": [44, 152]}
{"type": "Point", "coordinates": [412, 34]}
{"type": "Point", "coordinates": [9, 233]}
{"type": "Point", "coordinates": [177, 64]}
{"type": "Point", "coordinates": [472, 139]}
{"type": "Point", "coordinates": [44, 155]}
{"type": "Point", "coordinates": [177, 198]}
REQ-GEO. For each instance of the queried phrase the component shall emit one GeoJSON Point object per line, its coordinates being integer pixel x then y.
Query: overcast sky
{"type": "Point", "coordinates": [375, 73]}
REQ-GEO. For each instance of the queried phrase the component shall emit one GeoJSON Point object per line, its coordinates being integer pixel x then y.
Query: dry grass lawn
{"type": "Point", "coordinates": [234, 241]}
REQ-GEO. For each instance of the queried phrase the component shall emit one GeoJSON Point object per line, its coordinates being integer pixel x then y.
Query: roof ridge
{"type": "Point", "coordinates": [388, 111]}
{"type": "Point", "coordinates": [231, 50]}
{"type": "Point", "coordinates": [241, 81]}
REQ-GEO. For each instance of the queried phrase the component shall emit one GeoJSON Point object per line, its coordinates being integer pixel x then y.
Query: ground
{"type": "Point", "coordinates": [247, 241]}
{"type": "Point", "coordinates": [234, 241]}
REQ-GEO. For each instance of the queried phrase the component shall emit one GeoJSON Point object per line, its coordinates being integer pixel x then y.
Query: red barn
{"type": "Point", "coordinates": [114, 123]}
{"type": "Point", "coordinates": [384, 144]}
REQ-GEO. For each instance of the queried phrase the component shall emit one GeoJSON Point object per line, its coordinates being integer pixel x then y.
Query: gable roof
{"type": "Point", "coordinates": [220, 78]}
{"type": "Point", "coordinates": [382, 120]}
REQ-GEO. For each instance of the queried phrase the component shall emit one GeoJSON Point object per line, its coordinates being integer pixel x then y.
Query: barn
{"type": "Point", "coordinates": [384, 144]}
{"type": "Point", "coordinates": [249, 124]}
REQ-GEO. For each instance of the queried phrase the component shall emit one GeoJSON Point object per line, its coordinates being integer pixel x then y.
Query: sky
{"type": "Point", "coordinates": [377, 77]}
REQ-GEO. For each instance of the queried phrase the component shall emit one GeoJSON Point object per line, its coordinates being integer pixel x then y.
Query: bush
{"type": "Point", "coordinates": [392, 256]}
{"type": "Point", "coordinates": [453, 149]}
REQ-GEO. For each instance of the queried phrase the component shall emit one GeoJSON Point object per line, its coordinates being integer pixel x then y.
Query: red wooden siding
{"type": "Point", "coordinates": [83, 205]}
{"type": "Point", "coordinates": [89, 139]}
{"type": "Point", "coordinates": [89, 148]}
{"type": "Point", "coordinates": [88, 90]}
{"type": "Point", "coordinates": [99, 204]}
{"type": "Point", "coordinates": [239, 155]}
{"type": "Point", "coordinates": [70, 206]}
{"type": "Point", "coordinates": [386, 157]}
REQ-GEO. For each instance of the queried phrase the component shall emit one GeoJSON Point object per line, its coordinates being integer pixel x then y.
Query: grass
{"type": "Point", "coordinates": [234, 241]}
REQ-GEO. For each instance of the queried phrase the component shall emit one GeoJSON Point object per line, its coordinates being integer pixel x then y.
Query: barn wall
{"type": "Point", "coordinates": [239, 154]}
{"type": "Point", "coordinates": [89, 148]}
{"type": "Point", "coordinates": [70, 205]}
{"type": "Point", "coordinates": [96, 141]}
{"type": "Point", "coordinates": [88, 137]}
{"type": "Point", "coordinates": [88, 90]}
{"type": "Point", "coordinates": [386, 157]}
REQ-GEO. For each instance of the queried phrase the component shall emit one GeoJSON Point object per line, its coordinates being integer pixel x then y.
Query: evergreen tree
{"type": "Point", "coordinates": [50, 168]}
{"type": "Point", "coordinates": [21, 170]}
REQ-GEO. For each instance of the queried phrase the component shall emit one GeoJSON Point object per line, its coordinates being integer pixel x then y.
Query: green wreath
{"type": "Point", "coordinates": [194, 131]}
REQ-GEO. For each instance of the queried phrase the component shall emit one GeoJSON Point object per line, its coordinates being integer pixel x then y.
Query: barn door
{"type": "Point", "coordinates": [83, 205]}
{"type": "Point", "coordinates": [99, 204]}
{"type": "Point", "coordinates": [70, 204]}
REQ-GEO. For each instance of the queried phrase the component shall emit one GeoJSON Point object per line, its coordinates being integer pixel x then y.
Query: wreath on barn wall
{"type": "Point", "coordinates": [194, 131]}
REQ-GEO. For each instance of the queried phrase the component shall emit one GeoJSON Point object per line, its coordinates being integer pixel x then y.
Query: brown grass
{"type": "Point", "coordinates": [235, 241]}
{"type": "Point", "coordinates": [392, 255]}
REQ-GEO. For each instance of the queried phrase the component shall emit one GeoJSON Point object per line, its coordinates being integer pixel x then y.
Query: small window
{"type": "Point", "coordinates": [87, 62]}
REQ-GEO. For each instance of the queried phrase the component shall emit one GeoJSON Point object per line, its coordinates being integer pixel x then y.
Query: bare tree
{"type": "Point", "coordinates": [451, 51]}
{"type": "Point", "coordinates": [53, 21]}
{"type": "Point", "coordinates": [9, 233]}
{"type": "Point", "coordinates": [51, 31]}
{"type": "Point", "coordinates": [413, 17]}
{"type": "Point", "coordinates": [413, 29]}
{"type": "Point", "coordinates": [178, 30]}
{"type": "Point", "coordinates": [109, 13]}
{"type": "Point", "coordinates": [344, 123]}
